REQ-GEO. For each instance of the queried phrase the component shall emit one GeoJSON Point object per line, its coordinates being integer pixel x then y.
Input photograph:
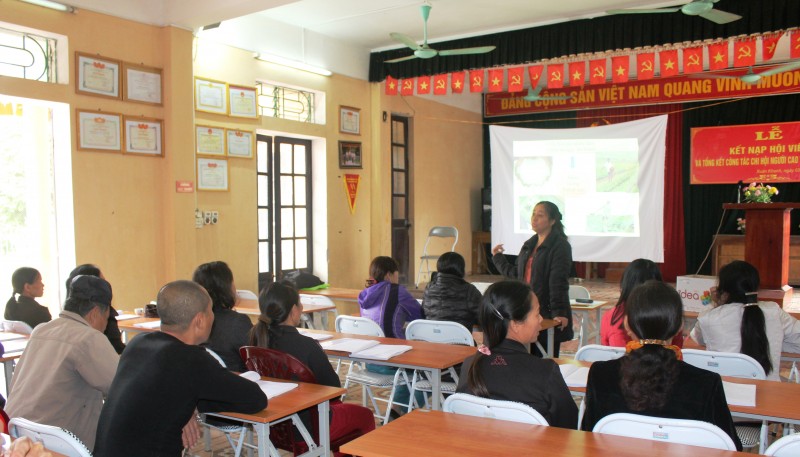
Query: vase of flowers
{"type": "Point", "coordinates": [741, 225]}
{"type": "Point", "coordinates": [758, 193]}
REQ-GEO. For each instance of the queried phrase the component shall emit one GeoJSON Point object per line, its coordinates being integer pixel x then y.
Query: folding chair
{"type": "Point", "coordinates": [55, 439]}
{"type": "Point", "coordinates": [17, 327]}
{"type": "Point", "coordinates": [471, 405]}
{"type": "Point", "coordinates": [435, 232]}
{"type": "Point", "coordinates": [236, 442]}
{"type": "Point", "coordinates": [788, 446]}
{"type": "Point", "coordinates": [579, 292]}
{"type": "Point", "coordinates": [683, 431]}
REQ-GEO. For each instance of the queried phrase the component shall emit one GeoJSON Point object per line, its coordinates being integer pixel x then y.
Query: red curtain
{"type": "Point", "coordinates": [674, 240]}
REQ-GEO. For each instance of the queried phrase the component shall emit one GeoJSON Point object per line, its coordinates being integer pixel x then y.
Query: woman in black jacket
{"type": "Point", "coordinates": [544, 262]}
{"type": "Point", "coordinates": [448, 297]}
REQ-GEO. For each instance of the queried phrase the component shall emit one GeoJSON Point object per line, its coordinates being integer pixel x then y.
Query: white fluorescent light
{"type": "Point", "coordinates": [293, 64]}
{"type": "Point", "coordinates": [52, 5]}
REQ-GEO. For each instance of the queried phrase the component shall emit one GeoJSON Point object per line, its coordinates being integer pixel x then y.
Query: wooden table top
{"type": "Point", "coordinates": [422, 353]}
{"type": "Point", "coordinates": [247, 306]}
{"type": "Point", "coordinates": [773, 398]}
{"type": "Point", "coordinates": [448, 434]}
{"type": "Point", "coordinates": [341, 293]}
{"type": "Point", "coordinates": [587, 306]}
{"type": "Point", "coordinates": [304, 396]}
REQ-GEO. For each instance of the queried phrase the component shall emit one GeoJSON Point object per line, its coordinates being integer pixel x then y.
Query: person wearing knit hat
{"type": "Point", "coordinates": [68, 365]}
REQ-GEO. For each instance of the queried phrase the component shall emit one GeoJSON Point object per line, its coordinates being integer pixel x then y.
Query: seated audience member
{"type": "Point", "coordinates": [112, 329]}
{"type": "Point", "coordinates": [277, 329]}
{"type": "Point", "coordinates": [612, 330]}
{"type": "Point", "coordinates": [230, 329]}
{"type": "Point", "coordinates": [652, 379]}
{"type": "Point", "coordinates": [448, 297]}
{"type": "Point", "coordinates": [503, 369]}
{"type": "Point", "coordinates": [22, 306]}
{"type": "Point", "coordinates": [164, 377]}
{"type": "Point", "coordinates": [385, 301]}
{"type": "Point", "coordinates": [740, 323]}
{"type": "Point", "coordinates": [68, 365]}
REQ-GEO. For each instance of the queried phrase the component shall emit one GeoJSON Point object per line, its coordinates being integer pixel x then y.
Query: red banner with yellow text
{"type": "Point", "coordinates": [351, 189]}
{"type": "Point", "coordinates": [654, 91]}
{"type": "Point", "coordinates": [754, 152]}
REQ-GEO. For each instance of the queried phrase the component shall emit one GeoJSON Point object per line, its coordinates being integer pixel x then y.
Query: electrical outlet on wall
{"type": "Point", "coordinates": [214, 217]}
{"type": "Point", "coordinates": [198, 218]}
{"type": "Point", "coordinates": [207, 217]}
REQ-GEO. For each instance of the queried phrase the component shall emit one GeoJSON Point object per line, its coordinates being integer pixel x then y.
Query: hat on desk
{"type": "Point", "coordinates": [91, 288]}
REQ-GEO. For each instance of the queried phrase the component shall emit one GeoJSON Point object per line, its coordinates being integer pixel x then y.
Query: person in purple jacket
{"type": "Point", "coordinates": [385, 301]}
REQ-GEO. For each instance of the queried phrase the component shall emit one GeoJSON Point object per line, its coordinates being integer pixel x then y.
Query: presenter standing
{"type": "Point", "coordinates": [544, 262]}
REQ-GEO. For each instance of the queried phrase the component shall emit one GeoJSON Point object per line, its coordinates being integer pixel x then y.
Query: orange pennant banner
{"type": "Point", "coordinates": [351, 189]}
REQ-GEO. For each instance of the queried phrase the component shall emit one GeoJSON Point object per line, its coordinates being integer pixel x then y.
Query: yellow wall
{"type": "Point", "coordinates": [131, 222]}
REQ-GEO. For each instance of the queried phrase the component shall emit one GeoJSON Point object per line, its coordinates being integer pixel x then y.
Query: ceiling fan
{"type": "Point", "coordinates": [423, 51]}
{"type": "Point", "coordinates": [702, 8]}
{"type": "Point", "coordinates": [533, 95]}
{"type": "Point", "coordinates": [751, 77]}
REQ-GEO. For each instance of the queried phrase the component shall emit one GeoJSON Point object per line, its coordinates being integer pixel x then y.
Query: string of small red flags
{"type": "Point", "coordinates": [652, 62]}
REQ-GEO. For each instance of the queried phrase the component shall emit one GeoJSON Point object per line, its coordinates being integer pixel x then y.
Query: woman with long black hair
{"type": "Point", "coordinates": [764, 329]}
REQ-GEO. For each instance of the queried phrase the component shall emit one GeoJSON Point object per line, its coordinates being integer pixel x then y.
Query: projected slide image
{"type": "Point", "coordinates": [617, 171]}
{"type": "Point", "coordinates": [604, 223]}
{"type": "Point", "coordinates": [524, 209]}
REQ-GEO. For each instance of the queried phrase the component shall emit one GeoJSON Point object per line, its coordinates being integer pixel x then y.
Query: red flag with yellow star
{"type": "Point", "coordinates": [407, 87]}
{"type": "Point", "coordinates": [423, 84]}
{"type": "Point", "coordinates": [535, 74]}
{"type": "Point", "coordinates": [555, 76]}
{"type": "Point", "coordinates": [476, 80]}
{"type": "Point", "coordinates": [768, 45]}
{"type": "Point", "coordinates": [577, 74]}
{"type": "Point", "coordinates": [496, 80]}
{"type": "Point", "coordinates": [391, 86]}
{"type": "Point", "coordinates": [744, 53]}
{"type": "Point", "coordinates": [718, 56]}
{"type": "Point", "coordinates": [620, 67]}
{"type": "Point", "coordinates": [457, 82]}
{"type": "Point", "coordinates": [693, 60]}
{"type": "Point", "coordinates": [794, 45]}
{"type": "Point", "coordinates": [597, 71]}
{"type": "Point", "coordinates": [668, 61]}
{"type": "Point", "coordinates": [440, 84]}
{"type": "Point", "coordinates": [516, 77]}
{"type": "Point", "coordinates": [645, 66]}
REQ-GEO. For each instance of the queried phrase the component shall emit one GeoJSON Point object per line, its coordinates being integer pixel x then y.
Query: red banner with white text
{"type": "Point", "coordinates": [662, 90]}
{"type": "Point", "coordinates": [750, 153]}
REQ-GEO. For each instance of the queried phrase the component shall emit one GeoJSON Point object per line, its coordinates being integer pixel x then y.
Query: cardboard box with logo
{"type": "Point", "coordinates": [695, 291]}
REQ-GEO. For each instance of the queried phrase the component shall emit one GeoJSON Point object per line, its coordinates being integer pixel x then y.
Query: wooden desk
{"type": "Point", "coordinates": [280, 407]}
{"type": "Point", "coordinates": [775, 401]}
{"type": "Point", "coordinates": [311, 311]}
{"type": "Point", "coordinates": [589, 328]}
{"type": "Point", "coordinates": [431, 357]}
{"type": "Point", "coordinates": [337, 293]}
{"type": "Point", "coordinates": [14, 344]}
{"type": "Point", "coordinates": [423, 432]}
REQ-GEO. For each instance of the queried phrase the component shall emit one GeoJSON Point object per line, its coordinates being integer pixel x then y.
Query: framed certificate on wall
{"type": "Point", "coordinates": [141, 84]}
{"type": "Point", "coordinates": [210, 96]}
{"type": "Point", "coordinates": [99, 131]}
{"type": "Point", "coordinates": [212, 174]}
{"type": "Point", "coordinates": [242, 101]}
{"type": "Point", "coordinates": [210, 140]}
{"type": "Point", "coordinates": [144, 136]}
{"type": "Point", "coordinates": [349, 120]}
{"type": "Point", "coordinates": [241, 143]}
{"type": "Point", "coordinates": [95, 75]}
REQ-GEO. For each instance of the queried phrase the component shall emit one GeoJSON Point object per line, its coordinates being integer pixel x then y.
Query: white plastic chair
{"type": "Point", "coordinates": [53, 438]}
{"type": "Point", "coordinates": [682, 431]}
{"type": "Point", "coordinates": [471, 405]}
{"type": "Point", "coordinates": [578, 292]}
{"type": "Point", "coordinates": [309, 321]}
{"type": "Point", "coordinates": [445, 332]}
{"type": "Point", "coordinates": [482, 286]}
{"type": "Point", "coordinates": [227, 430]}
{"type": "Point", "coordinates": [17, 327]}
{"type": "Point", "coordinates": [788, 446]}
{"type": "Point", "coordinates": [598, 353]}
{"type": "Point", "coordinates": [738, 366]}
{"type": "Point", "coordinates": [435, 232]}
{"type": "Point", "coordinates": [245, 294]}
{"type": "Point", "coordinates": [358, 373]}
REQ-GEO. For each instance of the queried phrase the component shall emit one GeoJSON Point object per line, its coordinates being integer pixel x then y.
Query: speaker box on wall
{"type": "Point", "coordinates": [486, 209]}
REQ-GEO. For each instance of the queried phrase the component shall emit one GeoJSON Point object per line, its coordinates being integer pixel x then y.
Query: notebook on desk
{"type": "Point", "coordinates": [382, 351]}
{"type": "Point", "coordinates": [739, 394]}
{"type": "Point", "coordinates": [316, 336]}
{"type": "Point", "coordinates": [149, 325]}
{"type": "Point", "coordinates": [349, 344]}
{"type": "Point", "coordinates": [270, 388]}
{"type": "Point", "coordinates": [574, 375]}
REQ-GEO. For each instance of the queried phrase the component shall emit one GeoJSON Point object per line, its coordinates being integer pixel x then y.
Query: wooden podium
{"type": "Point", "coordinates": [766, 245]}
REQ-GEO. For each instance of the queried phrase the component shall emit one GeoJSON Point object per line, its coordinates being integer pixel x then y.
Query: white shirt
{"type": "Point", "coordinates": [719, 330]}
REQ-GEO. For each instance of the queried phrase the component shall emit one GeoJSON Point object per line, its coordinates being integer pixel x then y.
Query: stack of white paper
{"type": "Point", "coordinates": [739, 394]}
{"type": "Point", "coordinates": [349, 345]}
{"type": "Point", "coordinates": [149, 325]}
{"type": "Point", "coordinates": [15, 345]}
{"type": "Point", "coordinates": [317, 336]}
{"type": "Point", "coordinates": [381, 352]}
{"type": "Point", "coordinates": [574, 375]}
{"type": "Point", "coordinates": [124, 317]}
{"type": "Point", "coordinates": [270, 388]}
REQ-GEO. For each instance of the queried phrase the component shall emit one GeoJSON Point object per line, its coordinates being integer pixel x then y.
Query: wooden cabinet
{"type": "Point", "coordinates": [731, 247]}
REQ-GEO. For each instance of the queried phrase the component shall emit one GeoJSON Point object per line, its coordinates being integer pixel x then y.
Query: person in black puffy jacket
{"type": "Point", "coordinates": [448, 297]}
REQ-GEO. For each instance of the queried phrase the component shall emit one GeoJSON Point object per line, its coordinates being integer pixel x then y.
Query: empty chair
{"type": "Point", "coordinates": [317, 300]}
{"type": "Point", "coordinates": [578, 292]}
{"type": "Point", "coordinates": [682, 431]}
{"type": "Point", "coordinates": [17, 327]}
{"type": "Point", "coordinates": [788, 446]}
{"type": "Point", "coordinates": [358, 373]}
{"type": "Point", "coordinates": [471, 405]}
{"type": "Point", "coordinates": [445, 332]}
{"type": "Point", "coordinates": [435, 232]}
{"type": "Point", "coordinates": [53, 438]}
{"type": "Point", "coordinates": [725, 363]}
{"type": "Point", "coordinates": [598, 353]}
